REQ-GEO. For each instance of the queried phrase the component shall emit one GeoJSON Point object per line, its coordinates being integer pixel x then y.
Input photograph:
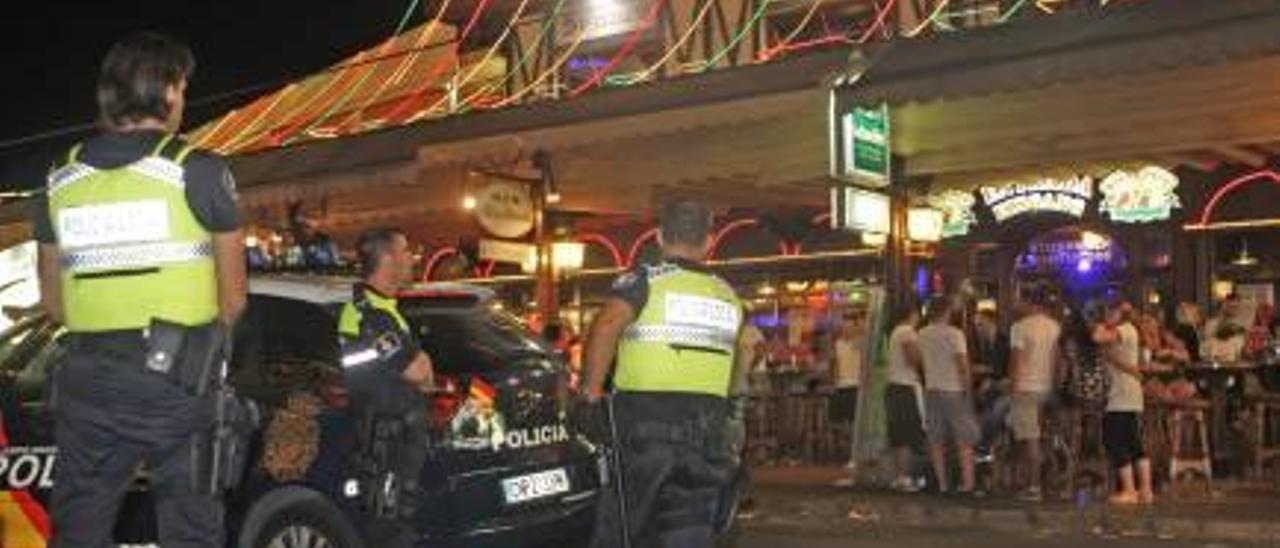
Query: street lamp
{"type": "Point", "coordinates": [568, 257]}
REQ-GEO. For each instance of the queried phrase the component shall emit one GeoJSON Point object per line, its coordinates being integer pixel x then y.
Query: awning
{"type": "Point", "coordinates": [665, 106]}
{"type": "Point", "coordinates": [1172, 82]}
{"type": "Point", "coordinates": [1156, 35]}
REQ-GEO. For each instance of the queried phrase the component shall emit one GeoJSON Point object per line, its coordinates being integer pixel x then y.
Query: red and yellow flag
{"type": "Point", "coordinates": [23, 521]}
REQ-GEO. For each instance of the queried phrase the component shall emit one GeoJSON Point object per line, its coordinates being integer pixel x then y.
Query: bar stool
{"type": "Point", "coordinates": [1189, 439]}
{"type": "Point", "coordinates": [1263, 431]}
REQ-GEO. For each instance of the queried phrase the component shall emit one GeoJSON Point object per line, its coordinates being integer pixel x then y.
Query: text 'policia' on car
{"type": "Point", "coordinates": [502, 465]}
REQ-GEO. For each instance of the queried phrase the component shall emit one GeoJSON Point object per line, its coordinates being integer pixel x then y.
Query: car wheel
{"type": "Point", "coordinates": [296, 517]}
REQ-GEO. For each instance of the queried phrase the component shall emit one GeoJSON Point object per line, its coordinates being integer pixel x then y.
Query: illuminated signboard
{"type": "Point", "coordinates": [957, 211]}
{"type": "Point", "coordinates": [1067, 196]}
{"type": "Point", "coordinates": [1142, 196]}
{"type": "Point", "coordinates": [860, 145]}
{"type": "Point", "coordinates": [599, 19]}
{"type": "Point", "coordinates": [853, 208]}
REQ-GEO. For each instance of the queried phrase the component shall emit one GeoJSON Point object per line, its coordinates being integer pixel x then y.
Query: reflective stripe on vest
{"type": "Point", "coordinates": [133, 257]}
{"type": "Point", "coordinates": [131, 249]}
{"type": "Point", "coordinates": [685, 337]}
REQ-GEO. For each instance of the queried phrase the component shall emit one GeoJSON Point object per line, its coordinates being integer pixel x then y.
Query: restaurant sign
{"type": "Point", "coordinates": [853, 208]}
{"type": "Point", "coordinates": [861, 146]}
{"type": "Point", "coordinates": [957, 212]}
{"type": "Point", "coordinates": [1067, 196]}
{"type": "Point", "coordinates": [1142, 196]}
{"type": "Point", "coordinates": [505, 209]}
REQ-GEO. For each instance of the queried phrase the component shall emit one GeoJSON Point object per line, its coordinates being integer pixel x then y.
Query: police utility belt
{"type": "Point", "coordinates": [195, 359]}
{"type": "Point", "coordinates": [189, 357]}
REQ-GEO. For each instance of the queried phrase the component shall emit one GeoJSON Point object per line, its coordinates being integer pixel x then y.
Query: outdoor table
{"type": "Point", "coordinates": [1217, 377]}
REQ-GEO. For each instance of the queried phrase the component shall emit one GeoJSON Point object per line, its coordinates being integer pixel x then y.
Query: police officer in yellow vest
{"type": "Point", "coordinates": [386, 374]}
{"type": "Point", "coordinates": [141, 258]}
{"type": "Point", "coordinates": [673, 328]}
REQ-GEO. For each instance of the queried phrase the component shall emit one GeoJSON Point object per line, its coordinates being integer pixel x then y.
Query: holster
{"type": "Point", "coordinates": [190, 357]}
{"type": "Point", "coordinates": [194, 359]}
{"type": "Point", "coordinates": [382, 441]}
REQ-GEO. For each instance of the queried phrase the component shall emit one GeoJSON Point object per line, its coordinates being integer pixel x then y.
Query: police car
{"type": "Point", "coordinates": [502, 467]}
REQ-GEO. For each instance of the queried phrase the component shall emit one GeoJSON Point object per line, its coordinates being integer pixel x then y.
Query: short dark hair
{"type": "Point", "coordinates": [373, 245]}
{"type": "Point", "coordinates": [904, 310]}
{"type": "Point", "coordinates": [135, 75]}
{"type": "Point", "coordinates": [938, 308]}
{"type": "Point", "coordinates": [685, 222]}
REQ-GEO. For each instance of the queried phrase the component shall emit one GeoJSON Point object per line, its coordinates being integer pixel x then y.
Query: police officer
{"type": "Point", "coordinates": [385, 369]}
{"type": "Point", "coordinates": [136, 230]}
{"type": "Point", "coordinates": [673, 328]}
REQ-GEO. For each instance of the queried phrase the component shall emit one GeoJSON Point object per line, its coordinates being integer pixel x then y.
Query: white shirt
{"type": "Point", "coordinates": [1126, 391]}
{"type": "Point", "coordinates": [939, 344]}
{"type": "Point", "coordinates": [1035, 337]}
{"type": "Point", "coordinates": [900, 369]}
{"type": "Point", "coordinates": [848, 370]}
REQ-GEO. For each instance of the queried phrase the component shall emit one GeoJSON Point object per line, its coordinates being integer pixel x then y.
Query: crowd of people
{"type": "Point", "coordinates": [958, 382]}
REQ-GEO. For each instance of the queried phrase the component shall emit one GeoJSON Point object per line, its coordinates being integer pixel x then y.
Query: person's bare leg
{"type": "Point", "coordinates": [1127, 494]}
{"type": "Point", "coordinates": [938, 454]}
{"type": "Point", "coordinates": [967, 478]}
{"type": "Point", "coordinates": [1145, 492]}
{"type": "Point", "coordinates": [902, 461]}
{"type": "Point", "coordinates": [1031, 452]}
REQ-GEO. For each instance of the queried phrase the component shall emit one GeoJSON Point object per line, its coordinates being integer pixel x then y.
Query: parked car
{"type": "Point", "coordinates": [503, 467]}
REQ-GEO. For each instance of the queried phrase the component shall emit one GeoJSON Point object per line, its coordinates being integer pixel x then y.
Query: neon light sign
{"type": "Point", "coordinates": [1067, 196]}
{"type": "Point", "coordinates": [1143, 196]}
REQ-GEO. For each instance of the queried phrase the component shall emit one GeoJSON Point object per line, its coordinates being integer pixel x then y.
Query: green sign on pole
{"type": "Point", "coordinates": [864, 136]}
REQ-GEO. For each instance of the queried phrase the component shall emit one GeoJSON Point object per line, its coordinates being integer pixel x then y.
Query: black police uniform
{"type": "Point", "coordinates": [112, 415]}
{"type": "Point", "coordinates": [675, 454]}
{"type": "Point", "coordinates": [377, 345]}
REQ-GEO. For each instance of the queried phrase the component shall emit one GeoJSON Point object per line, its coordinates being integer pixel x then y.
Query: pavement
{"type": "Point", "coordinates": [800, 501]}
{"type": "Point", "coordinates": [964, 539]}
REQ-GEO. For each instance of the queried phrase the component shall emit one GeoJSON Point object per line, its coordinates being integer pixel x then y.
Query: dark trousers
{"type": "Point", "coordinates": [111, 417]}
{"type": "Point", "coordinates": [675, 464]}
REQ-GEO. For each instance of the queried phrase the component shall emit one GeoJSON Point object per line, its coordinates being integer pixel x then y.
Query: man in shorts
{"type": "Point", "coordinates": [1033, 368]}
{"type": "Point", "coordinates": [948, 380]}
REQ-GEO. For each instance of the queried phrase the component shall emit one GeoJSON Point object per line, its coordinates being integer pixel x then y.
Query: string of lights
{"type": "Point", "coordinates": [428, 31]}
{"type": "Point", "coordinates": [231, 143]}
{"type": "Point", "coordinates": [396, 115]}
{"type": "Point", "coordinates": [292, 118]}
{"type": "Point", "coordinates": [675, 47]}
{"type": "Point", "coordinates": [942, 6]}
{"type": "Point", "coordinates": [543, 33]}
{"type": "Point", "coordinates": [551, 71]}
{"type": "Point", "coordinates": [245, 138]}
{"type": "Point", "coordinates": [628, 45]}
{"type": "Point", "coordinates": [878, 22]}
{"type": "Point", "coordinates": [768, 53]}
{"type": "Point", "coordinates": [460, 84]}
{"type": "Point", "coordinates": [364, 79]}
{"type": "Point", "coordinates": [742, 33]}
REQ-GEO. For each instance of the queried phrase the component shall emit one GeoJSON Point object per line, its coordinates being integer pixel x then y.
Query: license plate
{"type": "Point", "coordinates": [535, 486]}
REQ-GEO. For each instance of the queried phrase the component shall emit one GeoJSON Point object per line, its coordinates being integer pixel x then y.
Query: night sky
{"type": "Point", "coordinates": [51, 52]}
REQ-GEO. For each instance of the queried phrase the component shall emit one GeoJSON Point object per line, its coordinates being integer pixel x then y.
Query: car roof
{"type": "Point", "coordinates": [327, 290]}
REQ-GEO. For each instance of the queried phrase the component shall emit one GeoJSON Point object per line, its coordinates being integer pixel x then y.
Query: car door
{"type": "Point", "coordinates": [27, 455]}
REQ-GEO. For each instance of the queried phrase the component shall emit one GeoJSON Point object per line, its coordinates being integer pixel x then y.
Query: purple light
{"type": "Point", "coordinates": [1085, 265]}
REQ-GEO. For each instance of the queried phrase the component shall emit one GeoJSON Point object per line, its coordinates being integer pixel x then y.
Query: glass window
{"type": "Point", "coordinates": [27, 355]}
{"type": "Point", "coordinates": [475, 340]}
{"type": "Point", "coordinates": [283, 342]}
